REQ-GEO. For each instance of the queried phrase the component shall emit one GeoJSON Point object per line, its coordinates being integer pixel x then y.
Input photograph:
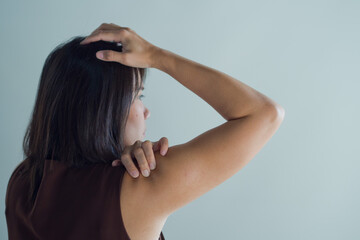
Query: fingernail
{"type": "Point", "coordinates": [135, 174]}
{"type": "Point", "coordinates": [163, 152]}
{"type": "Point", "coordinates": [100, 55]}
{"type": "Point", "coordinates": [145, 173]}
{"type": "Point", "coordinates": [152, 166]}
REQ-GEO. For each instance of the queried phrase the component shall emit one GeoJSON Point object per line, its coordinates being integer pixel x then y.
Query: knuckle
{"type": "Point", "coordinates": [114, 25]}
{"type": "Point", "coordinates": [125, 31]}
{"type": "Point", "coordinates": [126, 162]}
{"type": "Point", "coordinates": [151, 157]}
{"type": "Point", "coordinates": [125, 158]}
{"type": "Point", "coordinates": [147, 143]}
{"type": "Point", "coordinates": [113, 35]}
{"type": "Point", "coordinates": [143, 166]}
{"type": "Point", "coordinates": [138, 151]}
{"type": "Point", "coordinates": [108, 55]}
{"type": "Point", "coordinates": [94, 32]}
{"type": "Point", "coordinates": [97, 32]}
{"type": "Point", "coordinates": [131, 168]}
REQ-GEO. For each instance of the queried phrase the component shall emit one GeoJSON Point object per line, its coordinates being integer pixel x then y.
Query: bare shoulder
{"type": "Point", "coordinates": [191, 169]}
{"type": "Point", "coordinates": [144, 201]}
{"type": "Point", "coordinates": [139, 220]}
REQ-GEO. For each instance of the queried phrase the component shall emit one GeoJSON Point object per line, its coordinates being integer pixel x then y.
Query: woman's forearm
{"type": "Point", "coordinates": [231, 98]}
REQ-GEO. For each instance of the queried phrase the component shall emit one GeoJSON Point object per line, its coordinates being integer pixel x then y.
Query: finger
{"type": "Point", "coordinates": [162, 145]}
{"type": "Point", "coordinates": [106, 26]}
{"type": "Point", "coordinates": [117, 35]}
{"type": "Point", "coordinates": [114, 25]}
{"type": "Point", "coordinates": [141, 159]}
{"type": "Point", "coordinates": [149, 153]}
{"type": "Point", "coordinates": [111, 56]}
{"type": "Point", "coordinates": [128, 163]}
{"type": "Point", "coordinates": [156, 146]}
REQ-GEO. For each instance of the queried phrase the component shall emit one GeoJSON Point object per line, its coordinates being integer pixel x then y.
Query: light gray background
{"type": "Point", "coordinates": [304, 184]}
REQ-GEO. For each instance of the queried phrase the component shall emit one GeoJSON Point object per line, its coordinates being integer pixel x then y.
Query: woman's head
{"type": "Point", "coordinates": [87, 110]}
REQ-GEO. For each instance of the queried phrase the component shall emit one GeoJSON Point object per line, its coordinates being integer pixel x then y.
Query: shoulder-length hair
{"type": "Point", "coordinates": [81, 109]}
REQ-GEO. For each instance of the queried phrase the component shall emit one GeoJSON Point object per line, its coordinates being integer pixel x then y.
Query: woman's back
{"type": "Point", "coordinates": [70, 204]}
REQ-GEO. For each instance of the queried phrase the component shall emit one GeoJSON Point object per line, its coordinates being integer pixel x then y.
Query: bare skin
{"type": "Point", "coordinates": [143, 152]}
{"type": "Point", "coordinates": [191, 169]}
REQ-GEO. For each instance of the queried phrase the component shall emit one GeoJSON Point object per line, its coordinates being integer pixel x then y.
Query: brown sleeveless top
{"type": "Point", "coordinates": [71, 204]}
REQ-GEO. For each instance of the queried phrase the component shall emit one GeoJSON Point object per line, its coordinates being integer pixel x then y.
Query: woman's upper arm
{"type": "Point", "coordinates": [191, 169]}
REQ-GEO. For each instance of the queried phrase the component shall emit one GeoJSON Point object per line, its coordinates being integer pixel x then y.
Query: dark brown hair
{"type": "Point", "coordinates": [81, 109]}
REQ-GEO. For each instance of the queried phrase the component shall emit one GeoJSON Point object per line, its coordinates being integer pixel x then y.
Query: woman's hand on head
{"type": "Point", "coordinates": [136, 51]}
{"type": "Point", "coordinates": [144, 154]}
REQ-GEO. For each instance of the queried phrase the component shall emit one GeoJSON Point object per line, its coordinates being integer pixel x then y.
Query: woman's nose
{"type": "Point", "coordinates": [147, 113]}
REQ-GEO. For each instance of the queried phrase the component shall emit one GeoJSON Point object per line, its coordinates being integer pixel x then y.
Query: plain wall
{"type": "Point", "coordinates": [304, 184]}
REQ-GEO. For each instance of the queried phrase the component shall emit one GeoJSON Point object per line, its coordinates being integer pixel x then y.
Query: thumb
{"type": "Point", "coordinates": [110, 56]}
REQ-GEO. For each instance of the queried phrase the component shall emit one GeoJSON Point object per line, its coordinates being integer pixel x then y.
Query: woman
{"type": "Point", "coordinates": [188, 170]}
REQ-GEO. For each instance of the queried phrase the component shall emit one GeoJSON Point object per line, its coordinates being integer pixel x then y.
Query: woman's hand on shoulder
{"type": "Point", "coordinates": [144, 154]}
